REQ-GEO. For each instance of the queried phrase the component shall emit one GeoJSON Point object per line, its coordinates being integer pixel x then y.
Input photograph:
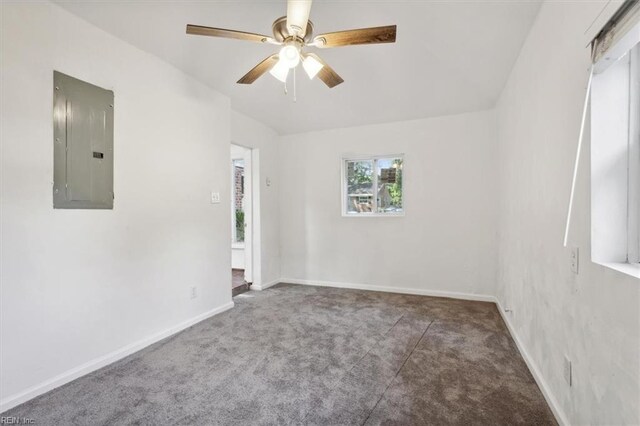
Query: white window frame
{"type": "Point", "coordinates": [615, 187]}
{"type": "Point", "coordinates": [344, 190]}
{"type": "Point", "coordinates": [633, 194]}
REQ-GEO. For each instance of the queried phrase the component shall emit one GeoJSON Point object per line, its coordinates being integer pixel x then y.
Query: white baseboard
{"type": "Point", "coordinates": [95, 364]}
{"type": "Point", "coordinates": [533, 368]}
{"type": "Point", "coordinates": [386, 289]}
{"type": "Point", "coordinates": [265, 286]}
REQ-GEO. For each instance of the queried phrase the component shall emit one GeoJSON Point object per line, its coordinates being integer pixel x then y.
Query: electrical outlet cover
{"type": "Point", "coordinates": [567, 370]}
{"type": "Point", "coordinates": [575, 259]}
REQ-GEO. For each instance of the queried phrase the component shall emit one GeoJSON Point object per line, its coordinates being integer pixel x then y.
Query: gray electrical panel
{"type": "Point", "coordinates": [82, 144]}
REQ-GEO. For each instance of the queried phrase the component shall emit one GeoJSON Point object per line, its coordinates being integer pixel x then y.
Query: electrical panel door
{"type": "Point", "coordinates": [83, 144]}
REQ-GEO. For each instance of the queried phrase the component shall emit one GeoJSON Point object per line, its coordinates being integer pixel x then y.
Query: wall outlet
{"type": "Point", "coordinates": [567, 370]}
{"type": "Point", "coordinates": [575, 259]}
{"type": "Point", "coordinates": [215, 197]}
{"type": "Point", "coordinates": [193, 291]}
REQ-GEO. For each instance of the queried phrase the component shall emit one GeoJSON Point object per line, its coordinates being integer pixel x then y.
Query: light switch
{"type": "Point", "coordinates": [215, 197]}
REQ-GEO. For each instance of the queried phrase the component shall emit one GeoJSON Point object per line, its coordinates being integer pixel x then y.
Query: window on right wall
{"type": "Point", "coordinates": [615, 156]}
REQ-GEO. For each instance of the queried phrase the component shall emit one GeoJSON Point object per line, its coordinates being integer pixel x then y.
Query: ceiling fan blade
{"type": "Point", "coordinates": [221, 32]}
{"type": "Point", "coordinates": [298, 16]}
{"type": "Point", "coordinates": [258, 70]}
{"type": "Point", "coordinates": [326, 73]}
{"type": "Point", "coordinates": [372, 35]}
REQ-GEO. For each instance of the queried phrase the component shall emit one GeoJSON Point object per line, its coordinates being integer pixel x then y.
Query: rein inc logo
{"type": "Point", "coordinates": [16, 421]}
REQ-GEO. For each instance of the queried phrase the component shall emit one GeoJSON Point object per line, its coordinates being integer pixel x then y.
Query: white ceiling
{"type": "Point", "coordinates": [450, 56]}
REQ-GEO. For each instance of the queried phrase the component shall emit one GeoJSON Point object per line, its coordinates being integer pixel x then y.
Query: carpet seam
{"type": "Point", "coordinates": [374, 345]}
{"type": "Point", "coordinates": [397, 372]}
{"type": "Point", "coordinates": [333, 386]}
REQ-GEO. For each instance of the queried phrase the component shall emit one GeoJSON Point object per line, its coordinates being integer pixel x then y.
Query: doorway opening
{"type": "Point", "coordinates": [241, 219]}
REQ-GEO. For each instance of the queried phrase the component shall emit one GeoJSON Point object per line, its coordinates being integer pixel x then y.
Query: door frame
{"type": "Point", "coordinates": [252, 213]}
{"type": "Point", "coordinates": [248, 217]}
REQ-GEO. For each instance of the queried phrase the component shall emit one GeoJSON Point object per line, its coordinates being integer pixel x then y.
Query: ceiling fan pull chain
{"type": "Point", "coordinates": [286, 92]}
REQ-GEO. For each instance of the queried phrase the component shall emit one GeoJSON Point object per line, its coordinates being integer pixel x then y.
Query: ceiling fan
{"type": "Point", "coordinates": [294, 33]}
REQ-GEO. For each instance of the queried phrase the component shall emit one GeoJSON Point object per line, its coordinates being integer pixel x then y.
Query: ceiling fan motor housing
{"type": "Point", "coordinates": [281, 32]}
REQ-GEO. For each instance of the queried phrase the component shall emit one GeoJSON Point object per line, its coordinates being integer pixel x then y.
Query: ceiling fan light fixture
{"type": "Point", "coordinates": [294, 32]}
{"type": "Point", "coordinates": [280, 71]}
{"type": "Point", "coordinates": [290, 56]}
{"type": "Point", "coordinates": [311, 66]}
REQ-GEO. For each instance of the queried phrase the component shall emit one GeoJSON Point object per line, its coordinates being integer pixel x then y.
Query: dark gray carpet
{"type": "Point", "coordinates": [317, 356]}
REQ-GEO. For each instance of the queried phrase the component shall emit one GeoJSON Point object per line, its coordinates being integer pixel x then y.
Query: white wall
{"type": "Point", "coordinates": [263, 140]}
{"type": "Point", "coordinates": [592, 317]}
{"type": "Point", "coordinates": [79, 284]}
{"type": "Point", "coordinates": [445, 242]}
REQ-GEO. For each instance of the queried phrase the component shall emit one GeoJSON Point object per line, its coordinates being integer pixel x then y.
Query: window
{"type": "Point", "coordinates": [372, 186]}
{"type": "Point", "coordinates": [615, 159]}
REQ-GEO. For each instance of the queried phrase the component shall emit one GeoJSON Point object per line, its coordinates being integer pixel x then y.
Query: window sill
{"type": "Point", "coordinates": [237, 245]}
{"type": "Point", "coordinates": [632, 269]}
{"type": "Point", "coordinates": [373, 215]}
